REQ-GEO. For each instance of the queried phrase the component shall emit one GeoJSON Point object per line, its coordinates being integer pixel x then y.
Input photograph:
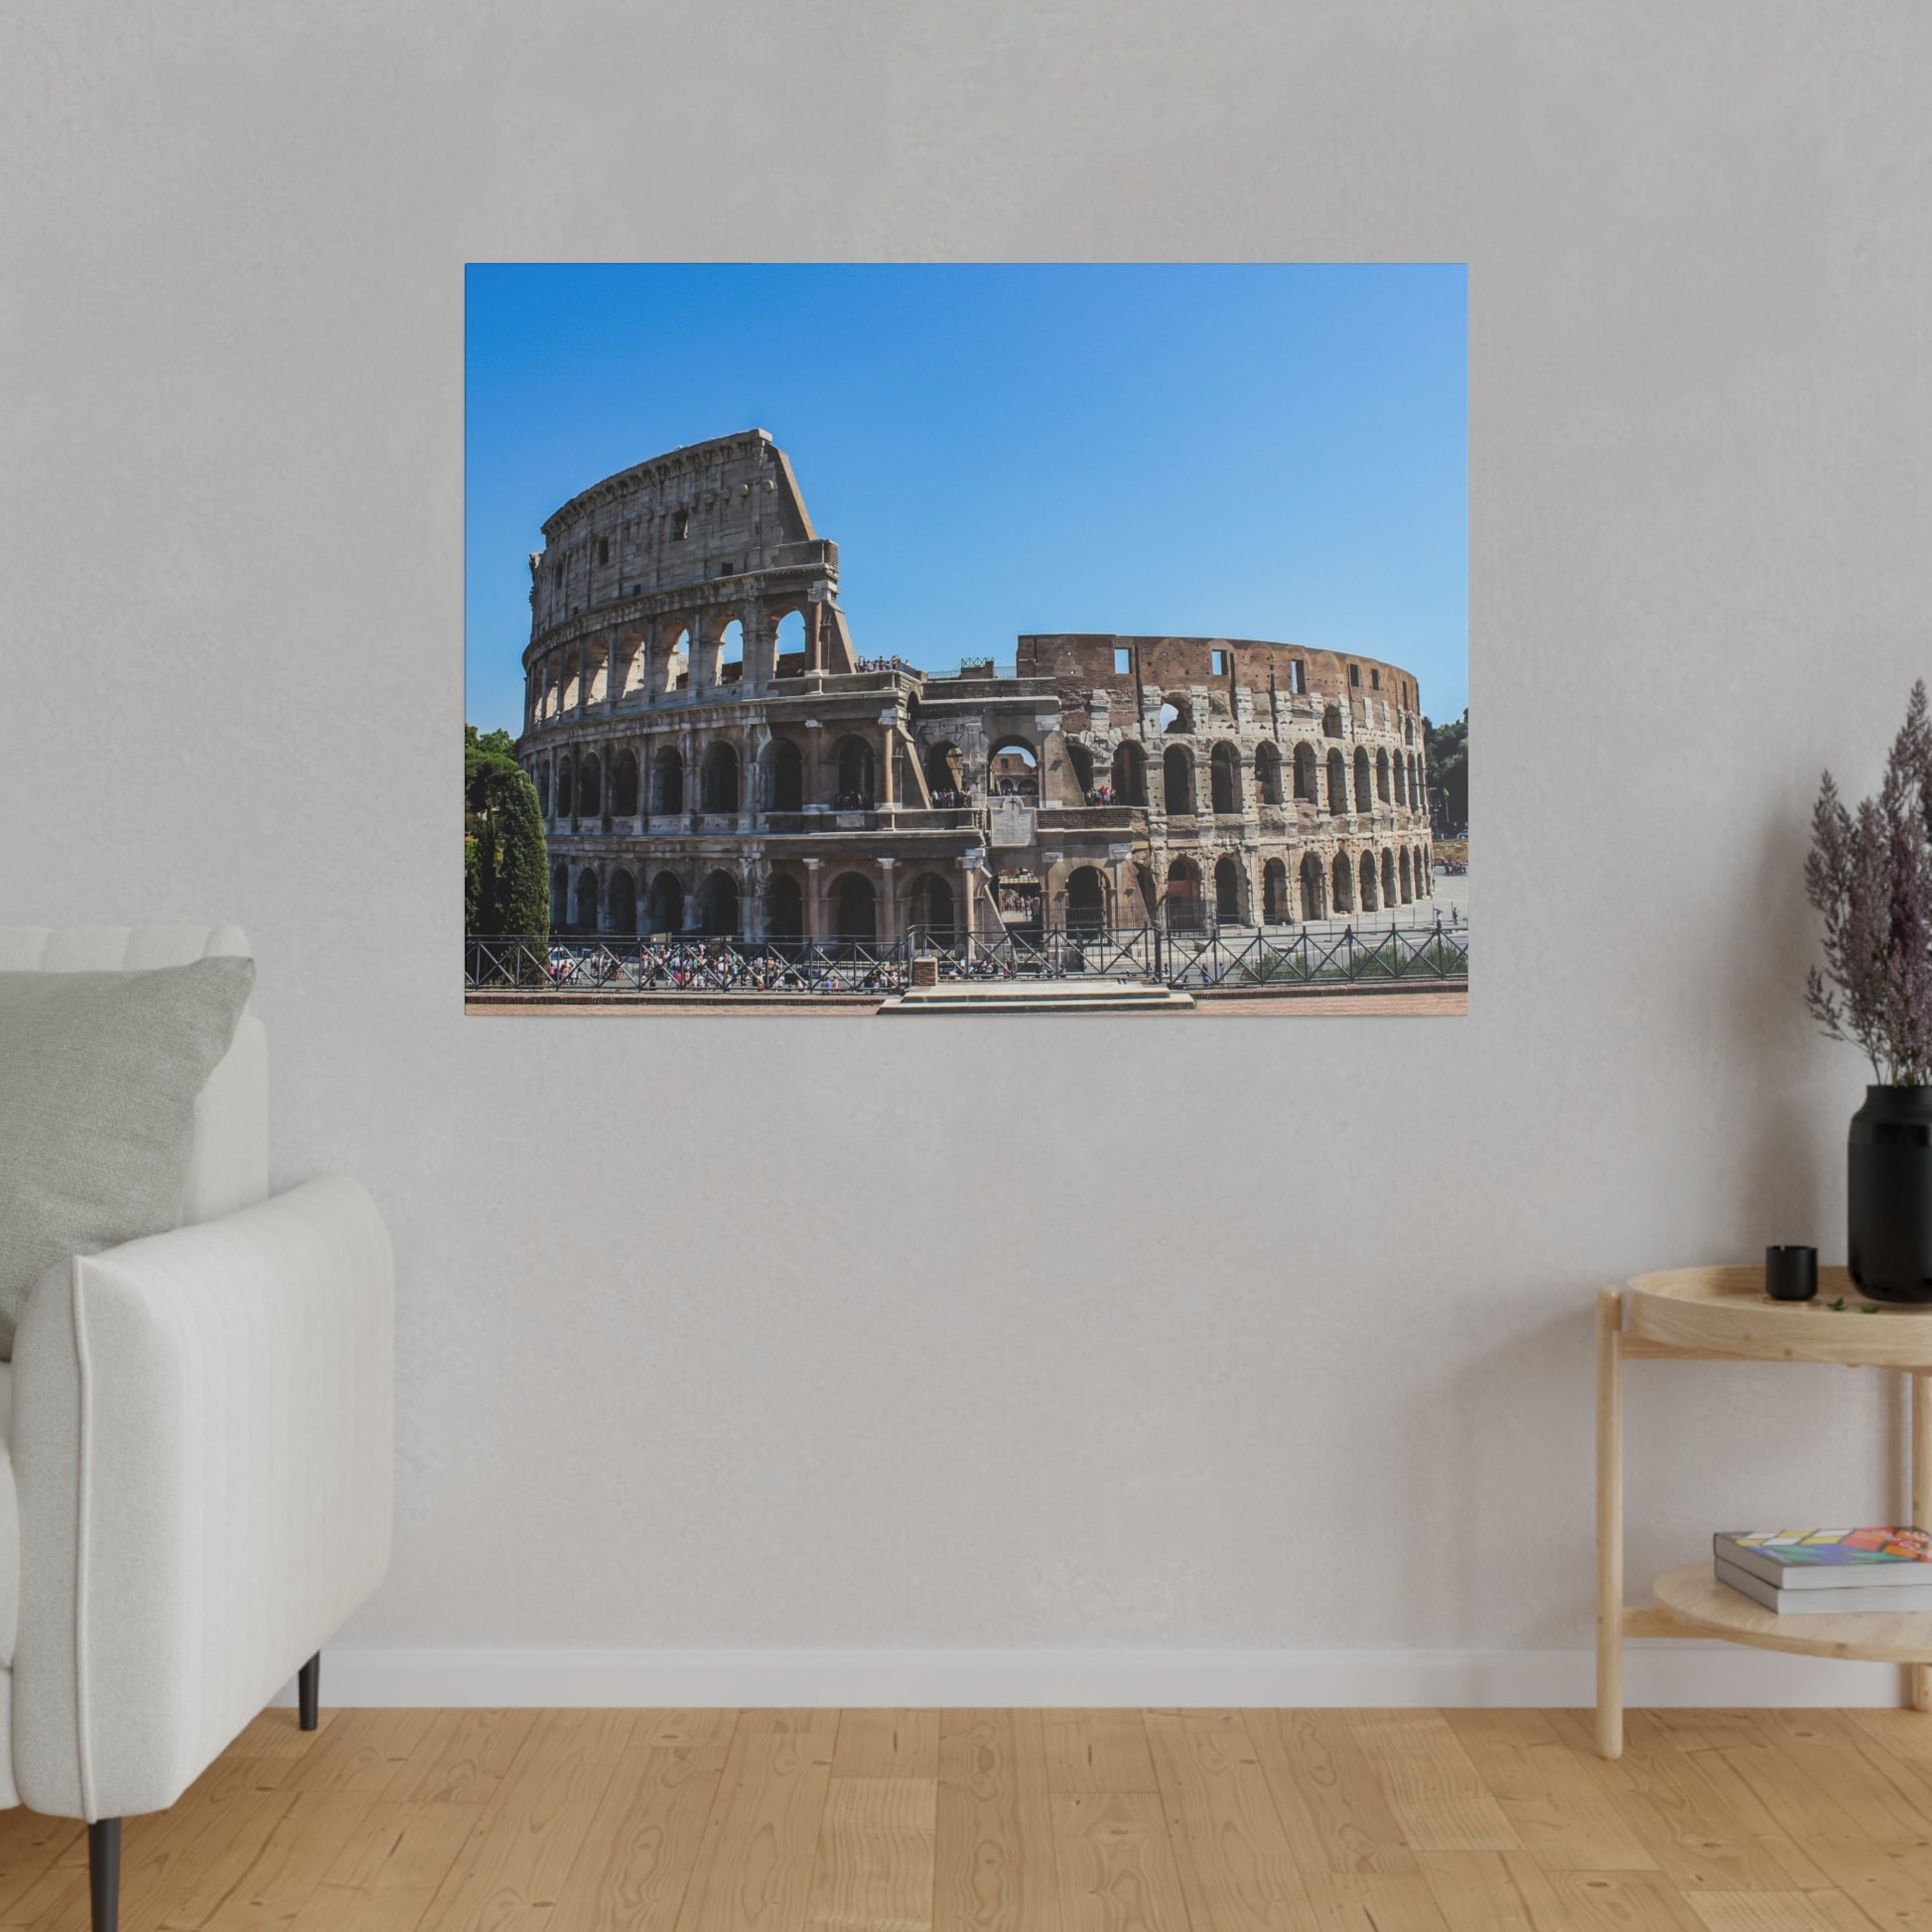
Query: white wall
{"type": "Point", "coordinates": [783, 1334]}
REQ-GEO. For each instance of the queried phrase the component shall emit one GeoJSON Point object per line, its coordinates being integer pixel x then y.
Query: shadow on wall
{"type": "Point", "coordinates": [1755, 1013]}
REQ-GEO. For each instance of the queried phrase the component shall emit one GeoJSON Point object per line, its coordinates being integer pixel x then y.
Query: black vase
{"type": "Point", "coordinates": [1890, 1195]}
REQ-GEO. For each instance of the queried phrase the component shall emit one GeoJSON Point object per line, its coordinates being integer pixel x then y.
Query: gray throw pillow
{"type": "Point", "coordinates": [98, 1075]}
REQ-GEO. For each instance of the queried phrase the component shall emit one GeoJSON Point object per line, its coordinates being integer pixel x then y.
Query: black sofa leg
{"type": "Point", "coordinates": [104, 1873]}
{"type": "Point", "coordinates": [308, 1690]}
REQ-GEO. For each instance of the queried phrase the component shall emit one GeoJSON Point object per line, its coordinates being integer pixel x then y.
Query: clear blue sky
{"type": "Point", "coordinates": [1229, 451]}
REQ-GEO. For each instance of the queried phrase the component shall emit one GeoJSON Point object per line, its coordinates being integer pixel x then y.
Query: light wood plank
{"type": "Point", "coordinates": [462, 1759]}
{"type": "Point", "coordinates": [294, 1858]}
{"type": "Point", "coordinates": [1556, 1802]}
{"type": "Point", "coordinates": [1237, 1871]}
{"type": "Point", "coordinates": [384, 1878]}
{"type": "Point", "coordinates": [513, 1868]}
{"type": "Point", "coordinates": [644, 1842]}
{"type": "Point", "coordinates": [758, 1870]}
{"type": "Point", "coordinates": [1437, 1795]}
{"type": "Point", "coordinates": [994, 1867]}
{"type": "Point", "coordinates": [1331, 1806]}
{"type": "Point", "coordinates": [1373, 1902]}
{"type": "Point", "coordinates": [1115, 1865]}
{"type": "Point", "coordinates": [1097, 1750]}
{"type": "Point", "coordinates": [1489, 1892]}
{"type": "Point", "coordinates": [886, 1744]}
{"type": "Point", "coordinates": [874, 1870]}
{"type": "Point", "coordinates": [1778, 1911]}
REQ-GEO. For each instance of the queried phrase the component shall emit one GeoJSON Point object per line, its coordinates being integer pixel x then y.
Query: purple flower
{"type": "Point", "coordinates": [1870, 877]}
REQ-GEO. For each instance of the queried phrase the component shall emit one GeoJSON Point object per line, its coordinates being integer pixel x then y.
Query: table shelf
{"type": "Point", "coordinates": [1698, 1604]}
{"type": "Point", "coordinates": [1703, 1314]}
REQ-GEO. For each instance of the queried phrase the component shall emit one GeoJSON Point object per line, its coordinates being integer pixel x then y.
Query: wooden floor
{"type": "Point", "coordinates": [1059, 1821]}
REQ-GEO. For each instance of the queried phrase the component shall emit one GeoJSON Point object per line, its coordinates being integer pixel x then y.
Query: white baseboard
{"type": "Point", "coordinates": [1655, 1674]}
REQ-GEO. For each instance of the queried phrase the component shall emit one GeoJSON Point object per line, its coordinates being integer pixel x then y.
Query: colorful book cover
{"type": "Point", "coordinates": [1822, 1548]}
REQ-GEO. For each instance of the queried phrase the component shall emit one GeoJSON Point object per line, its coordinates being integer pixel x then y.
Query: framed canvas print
{"type": "Point", "coordinates": [886, 640]}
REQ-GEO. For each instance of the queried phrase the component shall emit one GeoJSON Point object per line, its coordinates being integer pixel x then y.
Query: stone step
{"type": "Point", "coordinates": [1041, 996]}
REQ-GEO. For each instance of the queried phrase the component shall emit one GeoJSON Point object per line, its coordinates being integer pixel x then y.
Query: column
{"type": "Point", "coordinates": [889, 760]}
{"type": "Point", "coordinates": [814, 904]}
{"type": "Point", "coordinates": [815, 787]}
{"type": "Point", "coordinates": [968, 907]}
{"type": "Point", "coordinates": [887, 901]}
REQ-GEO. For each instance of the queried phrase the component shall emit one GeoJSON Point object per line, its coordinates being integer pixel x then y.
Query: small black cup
{"type": "Point", "coordinates": [1791, 1273]}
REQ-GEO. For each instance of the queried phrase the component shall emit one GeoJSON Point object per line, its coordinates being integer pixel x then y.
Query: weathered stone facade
{"type": "Point", "coordinates": [712, 755]}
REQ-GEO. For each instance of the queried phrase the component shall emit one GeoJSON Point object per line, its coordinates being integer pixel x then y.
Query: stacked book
{"type": "Point", "coordinates": [1828, 1573]}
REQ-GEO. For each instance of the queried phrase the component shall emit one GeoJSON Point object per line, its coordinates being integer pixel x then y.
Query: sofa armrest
{"type": "Point", "coordinates": [202, 1449]}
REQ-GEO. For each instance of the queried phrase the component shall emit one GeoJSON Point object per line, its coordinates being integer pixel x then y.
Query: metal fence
{"type": "Point", "coordinates": [574, 965]}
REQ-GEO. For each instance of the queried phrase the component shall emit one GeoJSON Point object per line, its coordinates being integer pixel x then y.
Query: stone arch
{"type": "Point", "coordinates": [785, 776]}
{"type": "Point", "coordinates": [573, 687]}
{"type": "Point", "coordinates": [1130, 774]}
{"type": "Point", "coordinates": [1341, 879]}
{"type": "Point", "coordinates": [784, 907]}
{"type": "Point", "coordinates": [1227, 890]}
{"type": "Point", "coordinates": [945, 770]}
{"type": "Point", "coordinates": [1268, 775]}
{"type": "Point", "coordinates": [1365, 782]}
{"type": "Point", "coordinates": [1306, 781]}
{"type": "Point", "coordinates": [931, 907]}
{"type": "Point", "coordinates": [543, 789]}
{"type": "Point", "coordinates": [677, 659]}
{"type": "Point", "coordinates": [624, 783]}
{"type": "Point", "coordinates": [1313, 888]}
{"type": "Point", "coordinates": [1382, 778]}
{"type": "Point", "coordinates": [1402, 873]}
{"type": "Point", "coordinates": [590, 786]}
{"type": "Point", "coordinates": [665, 903]}
{"type": "Point", "coordinates": [1331, 721]}
{"type": "Point", "coordinates": [718, 904]}
{"type": "Point", "coordinates": [583, 906]}
{"type": "Point", "coordinates": [789, 644]}
{"type": "Point", "coordinates": [1178, 780]}
{"type": "Point", "coordinates": [621, 916]}
{"type": "Point", "coordinates": [597, 687]}
{"type": "Point", "coordinates": [1401, 780]}
{"type": "Point", "coordinates": [1337, 786]}
{"type": "Point", "coordinates": [855, 908]}
{"type": "Point", "coordinates": [719, 785]}
{"type": "Point", "coordinates": [566, 786]}
{"type": "Point", "coordinates": [1388, 876]}
{"type": "Point", "coordinates": [1176, 716]}
{"type": "Point", "coordinates": [634, 665]}
{"type": "Point", "coordinates": [1274, 892]}
{"type": "Point", "coordinates": [1086, 899]}
{"type": "Point", "coordinates": [667, 780]}
{"type": "Point", "coordinates": [559, 895]}
{"type": "Point", "coordinates": [1012, 768]}
{"type": "Point", "coordinates": [1368, 881]}
{"type": "Point", "coordinates": [853, 765]}
{"type": "Point", "coordinates": [731, 652]}
{"type": "Point", "coordinates": [1081, 759]}
{"type": "Point", "coordinates": [1224, 780]}
{"type": "Point", "coordinates": [1184, 895]}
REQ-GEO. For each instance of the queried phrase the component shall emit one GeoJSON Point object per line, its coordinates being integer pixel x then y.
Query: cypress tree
{"type": "Point", "coordinates": [506, 863]}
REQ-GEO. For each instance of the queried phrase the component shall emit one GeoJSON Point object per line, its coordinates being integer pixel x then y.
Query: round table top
{"type": "Point", "coordinates": [1726, 1311]}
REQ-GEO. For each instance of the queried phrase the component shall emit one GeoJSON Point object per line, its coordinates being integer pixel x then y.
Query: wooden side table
{"type": "Point", "coordinates": [1706, 1314]}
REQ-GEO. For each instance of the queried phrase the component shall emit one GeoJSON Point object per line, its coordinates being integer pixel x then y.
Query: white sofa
{"type": "Point", "coordinates": [196, 1430]}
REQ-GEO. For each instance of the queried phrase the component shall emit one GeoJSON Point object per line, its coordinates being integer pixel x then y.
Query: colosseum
{"type": "Point", "coordinates": [714, 755]}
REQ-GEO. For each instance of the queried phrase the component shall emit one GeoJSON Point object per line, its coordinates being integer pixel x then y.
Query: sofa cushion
{"type": "Point", "coordinates": [98, 1077]}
